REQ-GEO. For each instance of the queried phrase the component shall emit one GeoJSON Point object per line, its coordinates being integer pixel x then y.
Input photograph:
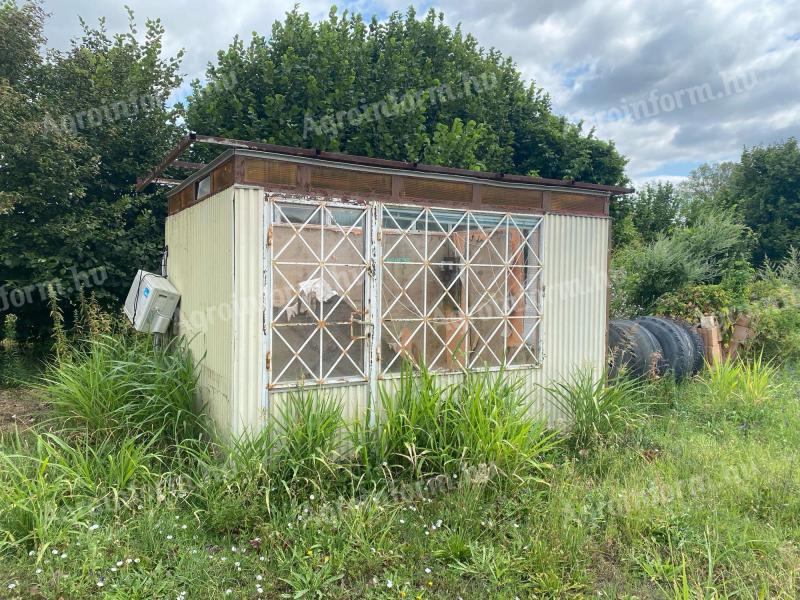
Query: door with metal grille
{"type": "Point", "coordinates": [318, 292]}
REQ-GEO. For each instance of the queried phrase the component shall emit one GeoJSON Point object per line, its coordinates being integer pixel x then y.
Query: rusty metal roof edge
{"type": "Point", "coordinates": [202, 173]}
{"type": "Point", "coordinates": [305, 155]}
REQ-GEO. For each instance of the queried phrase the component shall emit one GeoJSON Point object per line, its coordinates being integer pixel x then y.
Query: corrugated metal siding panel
{"type": "Point", "coordinates": [200, 242]}
{"type": "Point", "coordinates": [248, 310]}
{"type": "Point", "coordinates": [575, 260]}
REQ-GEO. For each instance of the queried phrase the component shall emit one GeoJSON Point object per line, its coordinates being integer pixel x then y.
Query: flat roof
{"type": "Point", "coordinates": [310, 156]}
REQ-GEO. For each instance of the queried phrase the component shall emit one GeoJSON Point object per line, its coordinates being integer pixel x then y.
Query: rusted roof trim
{"type": "Point", "coordinates": [311, 155]}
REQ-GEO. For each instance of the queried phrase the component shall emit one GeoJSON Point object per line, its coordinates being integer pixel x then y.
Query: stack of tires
{"type": "Point", "coordinates": [654, 346]}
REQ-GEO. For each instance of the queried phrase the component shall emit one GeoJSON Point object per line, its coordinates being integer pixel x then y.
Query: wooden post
{"type": "Point", "coordinates": [709, 329]}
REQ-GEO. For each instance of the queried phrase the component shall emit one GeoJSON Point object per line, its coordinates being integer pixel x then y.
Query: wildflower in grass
{"type": "Point", "coordinates": [389, 582]}
{"type": "Point", "coordinates": [100, 583]}
{"type": "Point", "coordinates": [259, 577]}
{"type": "Point", "coordinates": [94, 527]}
{"type": "Point", "coordinates": [260, 590]}
{"type": "Point", "coordinates": [11, 586]}
{"type": "Point", "coordinates": [229, 591]}
{"type": "Point", "coordinates": [169, 537]}
{"type": "Point", "coordinates": [120, 563]}
{"type": "Point", "coordinates": [38, 571]}
{"type": "Point", "coordinates": [428, 570]}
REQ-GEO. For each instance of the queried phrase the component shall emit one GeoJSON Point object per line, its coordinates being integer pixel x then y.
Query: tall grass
{"type": "Point", "coordinates": [125, 388]}
{"type": "Point", "coordinates": [740, 390]}
{"type": "Point", "coordinates": [596, 411]}
{"type": "Point", "coordinates": [49, 484]}
{"type": "Point", "coordinates": [424, 427]}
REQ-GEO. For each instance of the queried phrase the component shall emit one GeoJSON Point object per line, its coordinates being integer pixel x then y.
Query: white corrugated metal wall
{"type": "Point", "coordinates": [216, 260]}
{"type": "Point", "coordinates": [575, 271]}
{"type": "Point", "coordinates": [248, 310]}
{"type": "Point", "coordinates": [200, 254]}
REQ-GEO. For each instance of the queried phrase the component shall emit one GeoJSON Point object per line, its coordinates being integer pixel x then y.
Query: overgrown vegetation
{"type": "Point", "coordinates": [451, 488]}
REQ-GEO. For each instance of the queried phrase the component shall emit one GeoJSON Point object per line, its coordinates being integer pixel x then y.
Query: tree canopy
{"type": "Point", "coordinates": [406, 88]}
{"type": "Point", "coordinates": [76, 128]}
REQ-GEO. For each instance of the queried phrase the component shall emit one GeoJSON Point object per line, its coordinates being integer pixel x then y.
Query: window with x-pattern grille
{"type": "Point", "coordinates": [319, 271]}
{"type": "Point", "coordinates": [460, 289]}
{"type": "Point", "coordinates": [453, 289]}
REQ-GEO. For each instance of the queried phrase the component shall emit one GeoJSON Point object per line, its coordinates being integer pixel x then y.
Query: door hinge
{"type": "Point", "coordinates": [268, 362]}
{"type": "Point", "coordinates": [269, 236]}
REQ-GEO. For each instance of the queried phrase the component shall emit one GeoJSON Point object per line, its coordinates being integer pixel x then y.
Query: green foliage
{"type": "Point", "coordinates": [707, 189]}
{"type": "Point", "coordinates": [50, 484]}
{"type": "Point", "coordinates": [320, 85]}
{"type": "Point", "coordinates": [598, 411]}
{"type": "Point", "coordinates": [691, 303]}
{"type": "Point", "coordinates": [21, 35]}
{"type": "Point", "coordinates": [426, 427]}
{"type": "Point", "coordinates": [126, 388]}
{"type": "Point", "coordinates": [775, 319]}
{"type": "Point", "coordinates": [308, 431]}
{"type": "Point", "coordinates": [710, 252]}
{"type": "Point", "coordinates": [654, 211]}
{"type": "Point", "coordinates": [460, 145]}
{"type": "Point", "coordinates": [76, 129]}
{"type": "Point", "coordinates": [766, 188]}
{"type": "Point", "coordinates": [740, 390]}
{"type": "Point", "coordinates": [701, 501]}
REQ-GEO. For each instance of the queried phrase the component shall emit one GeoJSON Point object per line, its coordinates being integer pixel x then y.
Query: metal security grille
{"type": "Point", "coordinates": [460, 289]}
{"type": "Point", "coordinates": [353, 292]}
{"type": "Point", "coordinates": [318, 292]}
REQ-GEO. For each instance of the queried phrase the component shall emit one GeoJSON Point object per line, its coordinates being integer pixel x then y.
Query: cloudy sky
{"type": "Point", "coordinates": [675, 84]}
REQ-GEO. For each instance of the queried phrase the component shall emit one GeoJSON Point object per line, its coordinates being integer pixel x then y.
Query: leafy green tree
{"type": "Point", "coordinates": [76, 128]}
{"type": "Point", "coordinates": [765, 186]}
{"type": "Point", "coordinates": [655, 210]}
{"type": "Point", "coordinates": [707, 189]}
{"type": "Point", "coordinates": [404, 88]}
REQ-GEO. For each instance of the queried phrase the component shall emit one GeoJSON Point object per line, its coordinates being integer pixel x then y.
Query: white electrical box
{"type": "Point", "coordinates": [151, 302]}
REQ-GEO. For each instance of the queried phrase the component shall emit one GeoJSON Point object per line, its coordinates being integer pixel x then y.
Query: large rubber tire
{"type": "Point", "coordinates": [698, 345]}
{"type": "Point", "coordinates": [634, 349]}
{"type": "Point", "coordinates": [675, 343]}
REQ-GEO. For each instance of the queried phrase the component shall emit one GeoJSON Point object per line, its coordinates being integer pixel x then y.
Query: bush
{"type": "Point", "coordinates": [775, 319]}
{"type": "Point", "coordinates": [710, 252]}
{"type": "Point", "coordinates": [126, 387]}
{"type": "Point", "coordinates": [691, 303]}
{"type": "Point", "coordinates": [598, 412]}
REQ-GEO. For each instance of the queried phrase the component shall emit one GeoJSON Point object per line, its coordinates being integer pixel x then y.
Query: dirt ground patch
{"type": "Point", "coordinates": [20, 408]}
